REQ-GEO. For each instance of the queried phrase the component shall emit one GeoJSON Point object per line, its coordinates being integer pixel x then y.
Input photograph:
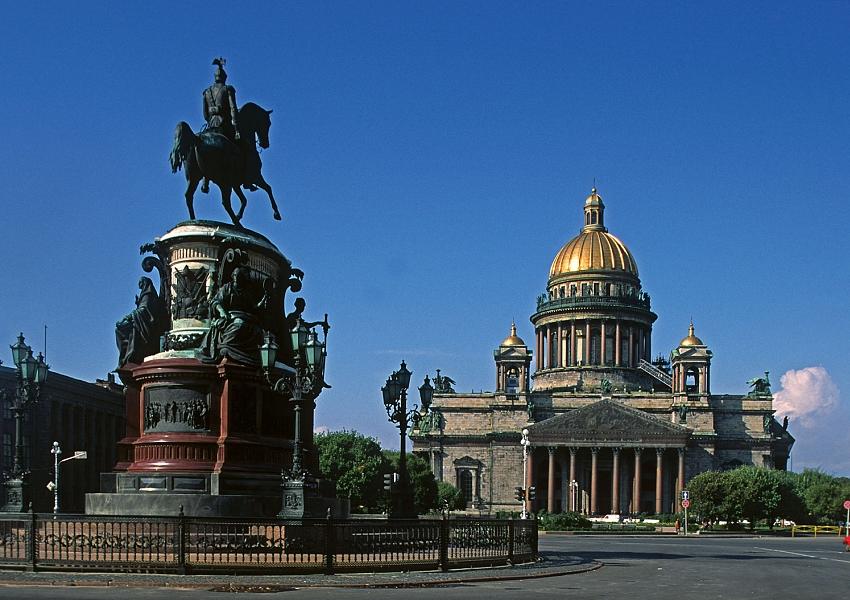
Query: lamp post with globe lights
{"type": "Point", "coordinates": [394, 395]}
{"type": "Point", "coordinates": [302, 382]}
{"type": "Point", "coordinates": [31, 373]}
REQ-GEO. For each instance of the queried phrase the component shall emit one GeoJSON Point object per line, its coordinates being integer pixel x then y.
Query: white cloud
{"type": "Point", "coordinates": [321, 429]}
{"type": "Point", "coordinates": [807, 395]}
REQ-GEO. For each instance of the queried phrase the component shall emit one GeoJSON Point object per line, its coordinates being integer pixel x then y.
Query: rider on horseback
{"type": "Point", "coordinates": [220, 110]}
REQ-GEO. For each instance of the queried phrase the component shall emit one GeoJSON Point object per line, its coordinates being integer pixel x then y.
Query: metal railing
{"type": "Point", "coordinates": [544, 305]}
{"type": "Point", "coordinates": [651, 369]}
{"type": "Point", "coordinates": [201, 545]}
{"type": "Point", "coordinates": [815, 529]}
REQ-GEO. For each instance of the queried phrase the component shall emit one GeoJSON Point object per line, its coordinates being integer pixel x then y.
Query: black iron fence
{"type": "Point", "coordinates": [181, 544]}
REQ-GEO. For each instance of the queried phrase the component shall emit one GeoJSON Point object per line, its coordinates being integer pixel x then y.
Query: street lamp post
{"type": "Point", "coordinates": [394, 395]}
{"type": "Point", "coordinates": [56, 451]}
{"type": "Point", "coordinates": [53, 486]}
{"type": "Point", "coordinates": [525, 444]}
{"type": "Point", "coordinates": [31, 374]}
{"type": "Point", "coordinates": [302, 382]}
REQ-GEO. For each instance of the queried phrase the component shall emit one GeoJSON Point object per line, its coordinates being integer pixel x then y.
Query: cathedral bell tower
{"type": "Point", "coordinates": [691, 363]}
{"type": "Point", "coordinates": [513, 359]}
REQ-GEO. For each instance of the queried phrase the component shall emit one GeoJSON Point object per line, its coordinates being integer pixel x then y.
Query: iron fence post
{"type": "Point", "coordinates": [330, 544]}
{"type": "Point", "coordinates": [32, 548]}
{"type": "Point", "coordinates": [511, 537]}
{"type": "Point", "coordinates": [181, 541]}
{"type": "Point", "coordinates": [444, 543]}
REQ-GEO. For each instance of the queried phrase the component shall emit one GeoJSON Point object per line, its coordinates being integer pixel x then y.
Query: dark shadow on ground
{"type": "Point", "coordinates": [610, 556]}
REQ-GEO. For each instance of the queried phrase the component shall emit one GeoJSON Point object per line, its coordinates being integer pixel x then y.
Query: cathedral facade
{"type": "Point", "coordinates": [608, 429]}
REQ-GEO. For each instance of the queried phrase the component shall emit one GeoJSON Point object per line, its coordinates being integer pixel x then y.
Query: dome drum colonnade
{"type": "Point", "coordinates": [594, 316]}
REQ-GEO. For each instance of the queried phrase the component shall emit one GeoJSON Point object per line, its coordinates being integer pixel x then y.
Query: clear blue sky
{"type": "Point", "coordinates": [431, 158]}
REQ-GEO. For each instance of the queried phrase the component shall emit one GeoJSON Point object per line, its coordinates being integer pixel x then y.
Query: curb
{"type": "Point", "coordinates": [279, 583]}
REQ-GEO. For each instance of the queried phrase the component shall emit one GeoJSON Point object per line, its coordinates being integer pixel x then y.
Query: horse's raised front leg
{"type": "Point", "coordinates": [242, 199]}
{"type": "Point", "coordinates": [192, 185]}
{"type": "Point", "coordinates": [225, 200]}
{"type": "Point", "coordinates": [261, 182]}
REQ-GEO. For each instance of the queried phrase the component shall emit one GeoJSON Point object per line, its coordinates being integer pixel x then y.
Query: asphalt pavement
{"type": "Point", "coordinates": [659, 568]}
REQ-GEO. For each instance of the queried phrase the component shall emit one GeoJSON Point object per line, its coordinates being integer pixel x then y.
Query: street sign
{"type": "Point", "coordinates": [686, 503]}
{"type": "Point", "coordinates": [686, 495]}
{"type": "Point", "coordinates": [847, 505]}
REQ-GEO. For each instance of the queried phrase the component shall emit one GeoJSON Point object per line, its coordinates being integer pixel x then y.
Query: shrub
{"type": "Point", "coordinates": [562, 521]}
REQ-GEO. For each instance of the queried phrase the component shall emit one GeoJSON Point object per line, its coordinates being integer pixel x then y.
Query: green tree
{"type": "Point", "coordinates": [754, 492]}
{"type": "Point", "coordinates": [421, 480]}
{"type": "Point", "coordinates": [449, 496]}
{"type": "Point", "coordinates": [791, 503]}
{"type": "Point", "coordinates": [357, 465]}
{"type": "Point", "coordinates": [823, 495]}
{"type": "Point", "coordinates": [709, 491]}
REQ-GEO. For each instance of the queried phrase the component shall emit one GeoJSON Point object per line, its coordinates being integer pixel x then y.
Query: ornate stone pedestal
{"type": "Point", "coordinates": [15, 496]}
{"type": "Point", "coordinates": [204, 428]}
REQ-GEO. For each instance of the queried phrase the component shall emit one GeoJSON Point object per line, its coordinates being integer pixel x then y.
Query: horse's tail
{"type": "Point", "coordinates": [184, 141]}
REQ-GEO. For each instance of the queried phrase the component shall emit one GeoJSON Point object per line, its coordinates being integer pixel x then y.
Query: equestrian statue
{"type": "Point", "coordinates": [225, 151]}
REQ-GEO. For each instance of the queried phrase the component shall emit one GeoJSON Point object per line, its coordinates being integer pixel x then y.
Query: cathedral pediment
{"type": "Point", "coordinates": [607, 421]}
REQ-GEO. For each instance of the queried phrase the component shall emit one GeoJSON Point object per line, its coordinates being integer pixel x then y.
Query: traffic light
{"type": "Point", "coordinates": [519, 493]}
{"type": "Point", "coordinates": [532, 492]}
{"type": "Point", "coordinates": [388, 481]}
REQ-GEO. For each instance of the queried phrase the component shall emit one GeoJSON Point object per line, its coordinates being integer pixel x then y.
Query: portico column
{"type": "Point", "coordinates": [617, 344]}
{"type": "Point", "coordinates": [659, 490]}
{"type": "Point", "coordinates": [587, 342]}
{"type": "Point", "coordinates": [593, 464]}
{"type": "Point", "coordinates": [636, 490]}
{"type": "Point", "coordinates": [615, 482]}
{"type": "Point", "coordinates": [631, 345]}
{"type": "Point", "coordinates": [572, 503]}
{"type": "Point", "coordinates": [550, 482]}
{"type": "Point", "coordinates": [572, 356]}
{"type": "Point", "coordinates": [565, 488]}
{"type": "Point", "coordinates": [681, 483]}
{"type": "Point", "coordinates": [602, 343]}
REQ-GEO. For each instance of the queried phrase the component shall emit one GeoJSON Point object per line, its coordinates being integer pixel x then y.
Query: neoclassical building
{"type": "Point", "coordinates": [610, 430]}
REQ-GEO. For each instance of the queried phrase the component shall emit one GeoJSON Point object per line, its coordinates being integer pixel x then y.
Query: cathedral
{"type": "Point", "coordinates": [607, 428]}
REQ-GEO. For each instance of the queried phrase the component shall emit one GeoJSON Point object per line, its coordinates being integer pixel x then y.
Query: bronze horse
{"type": "Point", "coordinates": [230, 165]}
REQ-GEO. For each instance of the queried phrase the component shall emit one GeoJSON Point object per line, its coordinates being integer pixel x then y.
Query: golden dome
{"type": "Point", "coordinates": [513, 339]}
{"type": "Point", "coordinates": [594, 249]}
{"type": "Point", "coordinates": [691, 340]}
{"type": "Point", "coordinates": [594, 199]}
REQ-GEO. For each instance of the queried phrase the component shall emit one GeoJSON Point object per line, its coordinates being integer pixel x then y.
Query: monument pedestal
{"type": "Point", "coordinates": [205, 429]}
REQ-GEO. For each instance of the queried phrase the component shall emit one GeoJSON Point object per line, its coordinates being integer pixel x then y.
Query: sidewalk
{"type": "Point", "coordinates": [551, 564]}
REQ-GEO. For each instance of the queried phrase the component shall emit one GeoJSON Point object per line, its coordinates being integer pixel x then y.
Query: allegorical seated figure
{"type": "Point", "coordinates": [137, 334]}
{"type": "Point", "coordinates": [236, 331]}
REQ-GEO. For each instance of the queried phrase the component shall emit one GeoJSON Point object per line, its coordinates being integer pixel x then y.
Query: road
{"type": "Point", "coordinates": [660, 568]}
